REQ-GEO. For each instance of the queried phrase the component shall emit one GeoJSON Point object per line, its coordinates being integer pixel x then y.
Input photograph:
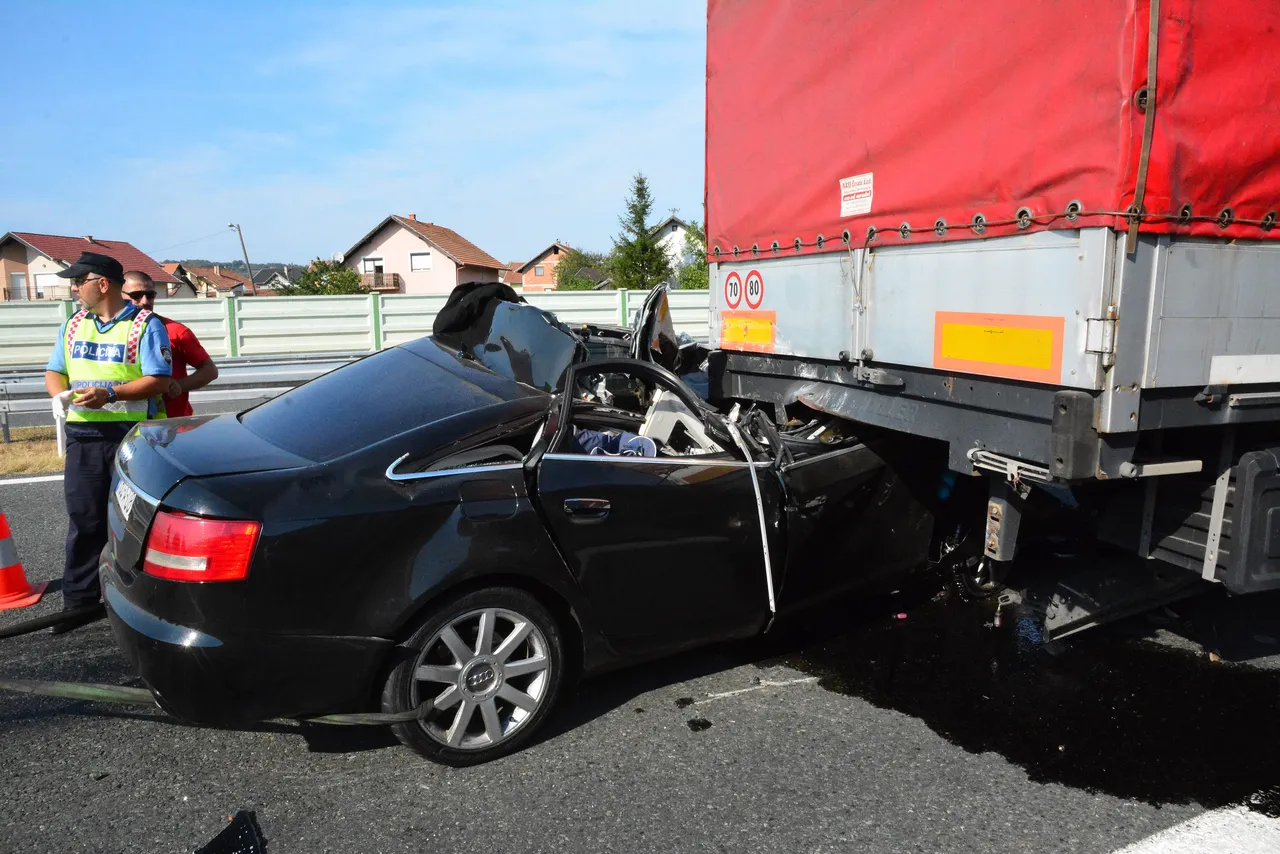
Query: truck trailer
{"type": "Point", "coordinates": [1040, 237]}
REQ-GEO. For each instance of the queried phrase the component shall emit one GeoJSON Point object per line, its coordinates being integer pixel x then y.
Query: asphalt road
{"type": "Point", "coordinates": [862, 732]}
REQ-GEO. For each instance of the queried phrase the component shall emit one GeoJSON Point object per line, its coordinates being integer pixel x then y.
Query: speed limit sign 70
{"type": "Point", "coordinates": [754, 289]}
{"type": "Point", "coordinates": [732, 290]}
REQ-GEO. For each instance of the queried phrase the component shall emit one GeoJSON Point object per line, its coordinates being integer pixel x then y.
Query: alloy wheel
{"type": "Point", "coordinates": [488, 672]}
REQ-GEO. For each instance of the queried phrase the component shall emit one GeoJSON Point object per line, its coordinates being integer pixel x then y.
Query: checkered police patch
{"type": "Point", "coordinates": [167, 355]}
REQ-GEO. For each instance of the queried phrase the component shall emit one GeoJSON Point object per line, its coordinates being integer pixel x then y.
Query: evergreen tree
{"type": "Point", "coordinates": [638, 262]}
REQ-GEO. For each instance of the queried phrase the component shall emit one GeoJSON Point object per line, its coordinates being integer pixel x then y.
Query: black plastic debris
{"type": "Point", "coordinates": [241, 836]}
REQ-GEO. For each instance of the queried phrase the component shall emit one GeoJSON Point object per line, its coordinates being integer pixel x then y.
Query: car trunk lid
{"type": "Point", "coordinates": [157, 455]}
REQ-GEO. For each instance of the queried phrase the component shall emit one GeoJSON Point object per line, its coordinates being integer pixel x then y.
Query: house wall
{"type": "Point", "coordinates": [37, 263]}
{"type": "Point", "coordinates": [16, 257]}
{"type": "Point", "coordinates": [672, 242]}
{"type": "Point", "coordinates": [478, 274]}
{"type": "Point", "coordinates": [213, 291]}
{"type": "Point", "coordinates": [547, 260]}
{"type": "Point", "coordinates": [13, 259]}
{"type": "Point", "coordinates": [393, 243]}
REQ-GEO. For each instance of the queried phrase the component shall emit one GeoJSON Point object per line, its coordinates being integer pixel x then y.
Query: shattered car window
{"type": "Point", "coordinates": [520, 342]}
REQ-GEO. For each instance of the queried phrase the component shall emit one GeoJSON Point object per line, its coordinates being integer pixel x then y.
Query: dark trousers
{"type": "Point", "coordinates": [87, 485]}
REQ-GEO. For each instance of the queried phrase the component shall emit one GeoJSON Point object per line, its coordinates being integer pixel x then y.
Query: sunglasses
{"type": "Point", "coordinates": [139, 296]}
{"type": "Point", "coordinates": [80, 281]}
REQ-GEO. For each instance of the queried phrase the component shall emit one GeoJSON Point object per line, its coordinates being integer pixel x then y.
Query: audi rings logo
{"type": "Point", "coordinates": [480, 678]}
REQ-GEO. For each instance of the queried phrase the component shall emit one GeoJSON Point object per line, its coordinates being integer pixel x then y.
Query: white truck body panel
{"type": "Point", "coordinates": [1181, 313]}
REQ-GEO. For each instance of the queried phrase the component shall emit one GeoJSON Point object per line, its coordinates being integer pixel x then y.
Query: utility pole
{"type": "Point", "coordinates": [252, 288]}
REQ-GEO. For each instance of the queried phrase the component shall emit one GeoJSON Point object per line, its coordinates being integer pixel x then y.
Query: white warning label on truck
{"type": "Point", "coordinates": [855, 195]}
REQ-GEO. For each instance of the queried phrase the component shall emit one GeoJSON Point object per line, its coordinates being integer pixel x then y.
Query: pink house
{"type": "Point", "coordinates": [404, 256]}
{"type": "Point", "coordinates": [29, 263]}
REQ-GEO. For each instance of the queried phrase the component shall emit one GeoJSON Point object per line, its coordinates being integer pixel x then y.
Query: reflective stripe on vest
{"type": "Point", "coordinates": [104, 359]}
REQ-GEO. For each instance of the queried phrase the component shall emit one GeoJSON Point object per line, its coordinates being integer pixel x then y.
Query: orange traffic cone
{"type": "Point", "coordinates": [15, 591]}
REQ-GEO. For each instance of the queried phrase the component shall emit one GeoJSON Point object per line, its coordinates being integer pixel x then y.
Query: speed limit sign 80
{"type": "Point", "coordinates": [755, 289]}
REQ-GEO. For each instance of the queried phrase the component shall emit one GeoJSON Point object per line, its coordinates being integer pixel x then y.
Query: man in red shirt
{"type": "Point", "coordinates": [187, 350]}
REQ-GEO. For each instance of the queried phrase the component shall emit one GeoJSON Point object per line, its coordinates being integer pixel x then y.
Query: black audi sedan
{"type": "Point", "coordinates": [464, 524]}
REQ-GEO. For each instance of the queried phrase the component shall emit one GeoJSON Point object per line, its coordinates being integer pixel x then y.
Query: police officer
{"type": "Point", "coordinates": [114, 357]}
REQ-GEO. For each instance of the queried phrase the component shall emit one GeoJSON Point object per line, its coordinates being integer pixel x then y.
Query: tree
{"type": "Point", "coordinates": [695, 275]}
{"type": "Point", "coordinates": [579, 270]}
{"type": "Point", "coordinates": [324, 278]}
{"type": "Point", "coordinates": [638, 262]}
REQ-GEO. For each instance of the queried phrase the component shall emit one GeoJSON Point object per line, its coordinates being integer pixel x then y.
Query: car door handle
{"type": "Point", "coordinates": [586, 509]}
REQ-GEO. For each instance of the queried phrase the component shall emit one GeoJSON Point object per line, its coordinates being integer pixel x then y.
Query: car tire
{"type": "Point", "coordinates": [491, 697]}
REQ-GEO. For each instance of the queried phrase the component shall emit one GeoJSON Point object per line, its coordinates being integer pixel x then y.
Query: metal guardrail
{"type": "Point", "coordinates": [241, 383]}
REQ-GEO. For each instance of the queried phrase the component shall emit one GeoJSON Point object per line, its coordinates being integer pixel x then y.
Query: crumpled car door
{"type": "Point", "coordinates": [653, 337]}
{"type": "Point", "coordinates": [667, 549]}
{"type": "Point", "coordinates": [850, 519]}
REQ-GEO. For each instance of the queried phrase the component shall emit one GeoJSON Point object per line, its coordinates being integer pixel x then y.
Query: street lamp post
{"type": "Point", "coordinates": [252, 288]}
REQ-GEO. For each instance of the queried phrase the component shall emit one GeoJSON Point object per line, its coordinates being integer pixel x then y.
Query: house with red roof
{"type": "Point", "coordinates": [30, 263]}
{"type": "Point", "coordinates": [217, 281]}
{"type": "Point", "coordinates": [512, 276]}
{"type": "Point", "coordinates": [183, 287]}
{"type": "Point", "coordinates": [402, 255]}
{"type": "Point", "coordinates": [539, 272]}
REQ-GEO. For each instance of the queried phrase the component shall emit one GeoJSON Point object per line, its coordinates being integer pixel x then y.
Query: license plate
{"type": "Point", "coordinates": [125, 497]}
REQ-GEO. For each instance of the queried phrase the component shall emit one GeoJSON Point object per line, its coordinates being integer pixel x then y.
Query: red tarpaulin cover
{"type": "Point", "coordinates": [827, 115]}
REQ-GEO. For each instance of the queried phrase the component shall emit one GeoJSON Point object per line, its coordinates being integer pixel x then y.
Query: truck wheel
{"type": "Point", "coordinates": [493, 663]}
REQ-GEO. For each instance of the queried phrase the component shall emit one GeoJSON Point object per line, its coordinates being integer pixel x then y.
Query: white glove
{"type": "Point", "coordinates": [61, 402]}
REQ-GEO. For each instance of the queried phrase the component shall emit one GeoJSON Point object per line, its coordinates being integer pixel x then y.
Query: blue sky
{"type": "Point", "coordinates": [513, 123]}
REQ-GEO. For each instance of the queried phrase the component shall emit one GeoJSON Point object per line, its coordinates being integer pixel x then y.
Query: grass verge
{"type": "Point", "coordinates": [34, 450]}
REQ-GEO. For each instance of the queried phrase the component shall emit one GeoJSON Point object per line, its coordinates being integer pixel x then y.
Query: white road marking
{"type": "Point", "coordinates": [14, 481]}
{"type": "Point", "coordinates": [1239, 830]}
{"type": "Point", "coordinates": [764, 684]}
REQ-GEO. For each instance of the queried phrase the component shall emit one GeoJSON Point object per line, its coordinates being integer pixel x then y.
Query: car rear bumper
{"type": "Point", "coordinates": [235, 679]}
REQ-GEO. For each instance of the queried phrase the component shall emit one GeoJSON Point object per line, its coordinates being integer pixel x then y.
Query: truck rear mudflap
{"type": "Point", "coordinates": [1257, 563]}
{"type": "Point", "coordinates": [1222, 524]}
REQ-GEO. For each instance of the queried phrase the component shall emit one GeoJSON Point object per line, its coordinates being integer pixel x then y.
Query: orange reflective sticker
{"type": "Point", "coordinates": [755, 331]}
{"type": "Point", "coordinates": [1015, 346]}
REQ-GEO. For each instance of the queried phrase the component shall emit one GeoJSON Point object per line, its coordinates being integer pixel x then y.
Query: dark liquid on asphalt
{"type": "Point", "coordinates": [1103, 711]}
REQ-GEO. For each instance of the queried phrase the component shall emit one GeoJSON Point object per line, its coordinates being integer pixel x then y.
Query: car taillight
{"type": "Point", "coordinates": [191, 548]}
